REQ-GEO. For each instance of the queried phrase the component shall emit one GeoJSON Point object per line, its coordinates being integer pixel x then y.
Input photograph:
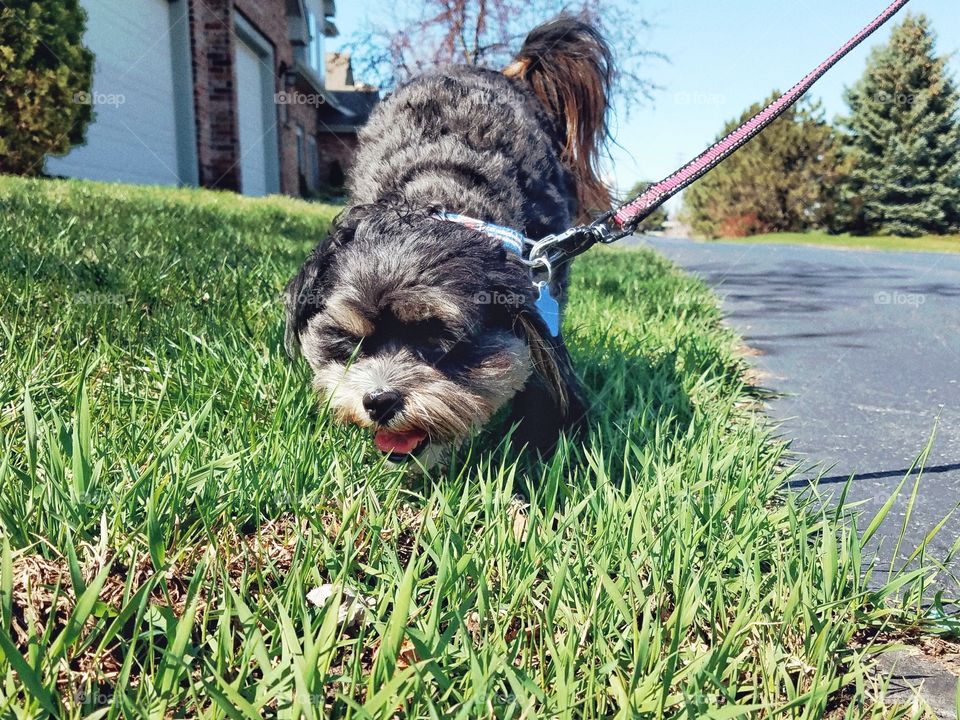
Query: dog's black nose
{"type": "Point", "coordinates": [381, 405]}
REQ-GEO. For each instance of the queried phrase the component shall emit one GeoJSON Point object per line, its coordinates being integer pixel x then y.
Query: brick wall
{"type": "Point", "coordinates": [270, 18]}
{"type": "Point", "coordinates": [218, 144]}
{"type": "Point", "coordinates": [215, 94]}
{"type": "Point", "coordinates": [335, 149]}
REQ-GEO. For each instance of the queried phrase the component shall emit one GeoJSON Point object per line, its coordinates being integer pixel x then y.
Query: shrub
{"type": "Point", "coordinates": [781, 181]}
{"type": "Point", "coordinates": [735, 226]}
{"type": "Point", "coordinates": [45, 81]}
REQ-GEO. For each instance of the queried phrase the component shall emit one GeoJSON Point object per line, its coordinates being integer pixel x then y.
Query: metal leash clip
{"type": "Point", "coordinates": [604, 234]}
{"type": "Point", "coordinates": [553, 250]}
{"type": "Point", "coordinates": [547, 253]}
{"type": "Point", "coordinates": [540, 259]}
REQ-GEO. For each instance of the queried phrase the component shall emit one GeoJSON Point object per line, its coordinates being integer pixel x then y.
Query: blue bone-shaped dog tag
{"type": "Point", "coordinates": [549, 309]}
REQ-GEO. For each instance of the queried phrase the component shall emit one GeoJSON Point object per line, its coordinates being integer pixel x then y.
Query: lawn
{"type": "Point", "coordinates": [171, 492]}
{"type": "Point", "coordinates": [927, 243]}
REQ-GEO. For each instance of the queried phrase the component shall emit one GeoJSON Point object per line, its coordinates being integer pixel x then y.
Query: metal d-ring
{"type": "Point", "coordinates": [541, 270]}
{"type": "Point", "coordinates": [541, 267]}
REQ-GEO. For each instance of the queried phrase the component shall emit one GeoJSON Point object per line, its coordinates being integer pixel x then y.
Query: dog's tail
{"type": "Point", "coordinates": [569, 66]}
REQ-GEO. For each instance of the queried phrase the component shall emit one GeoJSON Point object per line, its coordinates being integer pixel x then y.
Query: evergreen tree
{"type": "Point", "coordinates": [784, 180]}
{"type": "Point", "coordinates": [45, 79]}
{"type": "Point", "coordinates": [903, 139]}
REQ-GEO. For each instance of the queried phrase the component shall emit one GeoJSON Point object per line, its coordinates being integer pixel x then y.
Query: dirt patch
{"type": "Point", "coordinates": [254, 562]}
{"type": "Point", "coordinates": [44, 596]}
{"type": "Point", "coordinates": [945, 652]}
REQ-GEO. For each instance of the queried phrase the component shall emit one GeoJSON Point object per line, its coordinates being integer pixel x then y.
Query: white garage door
{"type": "Point", "coordinates": [256, 118]}
{"type": "Point", "coordinates": [138, 134]}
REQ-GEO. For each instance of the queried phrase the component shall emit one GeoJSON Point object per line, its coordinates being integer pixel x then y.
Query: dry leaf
{"type": "Point", "coordinates": [407, 655]}
{"type": "Point", "coordinates": [518, 513]}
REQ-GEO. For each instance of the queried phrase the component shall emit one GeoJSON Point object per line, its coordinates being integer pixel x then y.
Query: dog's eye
{"type": "Point", "coordinates": [432, 353]}
{"type": "Point", "coordinates": [441, 347]}
{"type": "Point", "coordinates": [437, 344]}
{"type": "Point", "coordinates": [430, 332]}
{"type": "Point", "coordinates": [342, 347]}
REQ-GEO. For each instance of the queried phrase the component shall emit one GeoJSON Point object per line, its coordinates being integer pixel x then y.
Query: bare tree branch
{"type": "Point", "coordinates": [435, 33]}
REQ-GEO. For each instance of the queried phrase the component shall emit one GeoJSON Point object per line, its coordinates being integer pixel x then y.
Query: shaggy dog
{"type": "Point", "coordinates": [419, 327]}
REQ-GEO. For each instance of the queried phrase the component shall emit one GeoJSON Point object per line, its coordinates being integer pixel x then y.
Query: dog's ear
{"type": "Point", "coordinates": [552, 402]}
{"type": "Point", "coordinates": [304, 295]}
{"type": "Point", "coordinates": [544, 359]}
{"type": "Point", "coordinates": [551, 362]}
{"type": "Point", "coordinates": [300, 302]}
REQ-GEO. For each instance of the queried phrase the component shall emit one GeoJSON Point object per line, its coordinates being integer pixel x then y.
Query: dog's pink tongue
{"type": "Point", "coordinates": [403, 443]}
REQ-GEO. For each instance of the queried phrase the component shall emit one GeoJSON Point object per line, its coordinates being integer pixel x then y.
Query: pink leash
{"type": "Point", "coordinates": [551, 251]}
{"type": "Point", "coordinates": [546, 254]}
{"type": "Point", "coordinates": [628, 216]}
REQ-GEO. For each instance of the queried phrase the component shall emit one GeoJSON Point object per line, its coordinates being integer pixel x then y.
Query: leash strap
{"type": "Point", "coordinates": [544, 255]}
{"type": "Point", "coordinates": [629, 215]}
{"type": "Point", "coordinates": [516, 242]}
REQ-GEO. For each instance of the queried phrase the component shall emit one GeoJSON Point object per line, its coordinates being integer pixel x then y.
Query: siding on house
{"type": "Point", "coordinates": [142, 131]}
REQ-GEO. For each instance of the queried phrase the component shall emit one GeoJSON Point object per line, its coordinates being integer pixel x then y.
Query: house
{"type": "Point", "coordinates": [349, 105]}
{"type": "Point", "coordinates": [225, 94]}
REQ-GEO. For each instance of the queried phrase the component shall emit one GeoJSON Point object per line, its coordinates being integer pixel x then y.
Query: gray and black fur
{"type": "Point", "coordinates": [433, 315]}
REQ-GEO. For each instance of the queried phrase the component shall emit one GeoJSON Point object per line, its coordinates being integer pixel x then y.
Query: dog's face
{"type": "Point", "coordinates": [415, 328]}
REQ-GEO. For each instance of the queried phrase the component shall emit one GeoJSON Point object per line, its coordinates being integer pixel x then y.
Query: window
{"type": "Point", "coordinates": [301, 154]}
{"type": "Point", "coordinates": [315, 28]}
{"type": "Point", "coordinates": [313, 158]}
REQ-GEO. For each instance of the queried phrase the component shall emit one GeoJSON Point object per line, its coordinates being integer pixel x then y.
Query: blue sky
{"type": "Point", "coordinates": [726, 54]}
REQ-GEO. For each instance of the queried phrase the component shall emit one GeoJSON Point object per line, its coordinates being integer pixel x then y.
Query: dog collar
{"type": "Point", "coordinates": [512, 240]}
{"type": "Point", "coordinates": [517, 243]}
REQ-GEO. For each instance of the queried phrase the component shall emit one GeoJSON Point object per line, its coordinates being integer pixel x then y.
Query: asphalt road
{"type": "Point", "coordinates": [863, 351]}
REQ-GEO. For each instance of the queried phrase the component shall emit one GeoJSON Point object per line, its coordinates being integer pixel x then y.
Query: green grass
{"type": "Point", "coordinates": [927, 243]}
{"type": "Point", "coordinates": [170, 492]}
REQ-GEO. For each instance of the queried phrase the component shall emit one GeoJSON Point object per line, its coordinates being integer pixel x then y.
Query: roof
{"type": "Point", "coordinates": [348, 110]}
{"type": "Point", "coordinates": [348, 104]}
